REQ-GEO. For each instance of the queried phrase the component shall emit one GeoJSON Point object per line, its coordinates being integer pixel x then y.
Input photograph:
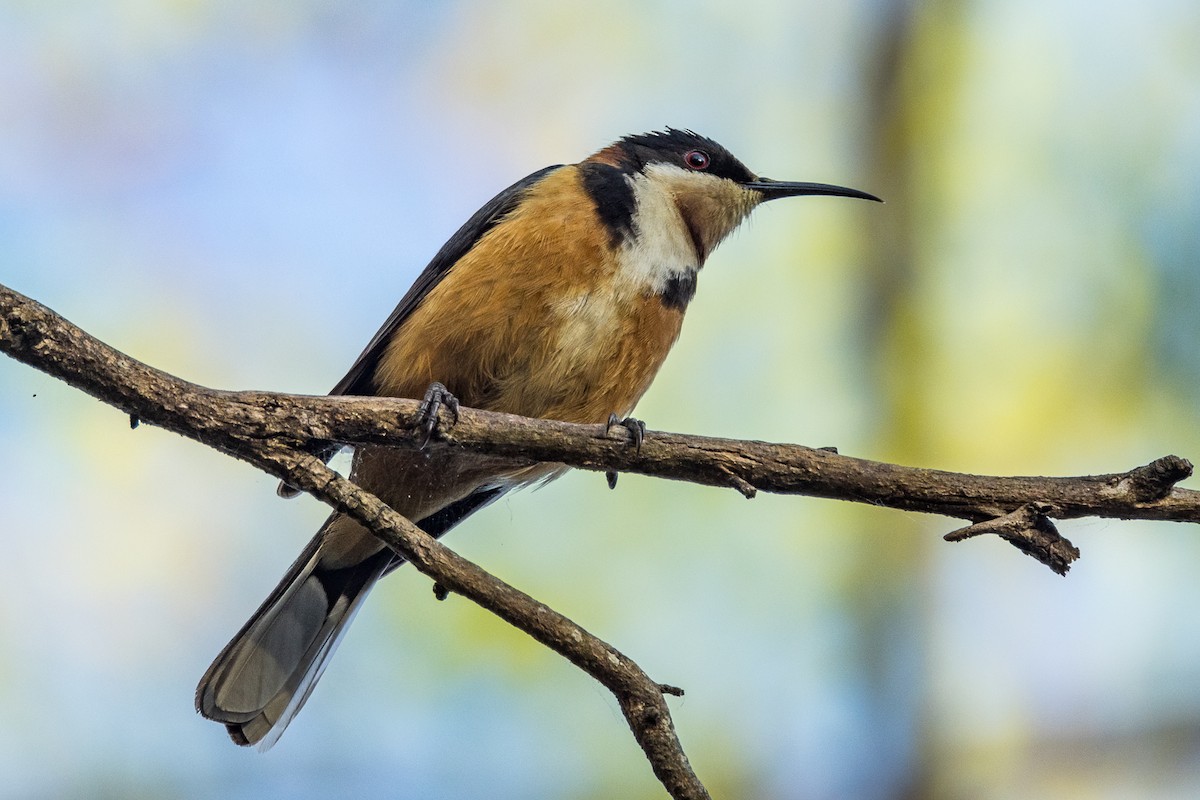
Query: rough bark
{"type": "Point", "coordinates": [279, 434]}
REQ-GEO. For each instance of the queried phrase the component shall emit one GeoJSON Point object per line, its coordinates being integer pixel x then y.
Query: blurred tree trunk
{"type": "Point", "coordinates": [911, 87]}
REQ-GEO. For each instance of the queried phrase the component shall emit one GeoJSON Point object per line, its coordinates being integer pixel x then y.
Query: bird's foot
{"type": "Point", "coordinates": [636, 428]}
{"type": "Point", "coordinates": [436, 396]}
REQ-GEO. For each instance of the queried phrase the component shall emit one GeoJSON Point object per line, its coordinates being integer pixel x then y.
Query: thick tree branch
{"type": "Point", "coordinates": [279, 434]}
{"type": "Point", "coordinates": [37, 336]}
{"type": "Point", "coordinates": [245, 425]}
{"type": "Point", "coordinates": [640, 698]}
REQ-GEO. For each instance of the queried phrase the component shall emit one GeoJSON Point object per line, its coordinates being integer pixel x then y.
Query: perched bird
{"type": "Point", "coordinates": [558, 299]}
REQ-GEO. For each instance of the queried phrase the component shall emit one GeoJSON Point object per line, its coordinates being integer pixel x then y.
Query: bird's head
{"type": "Point", "coordinates": [712, 190]}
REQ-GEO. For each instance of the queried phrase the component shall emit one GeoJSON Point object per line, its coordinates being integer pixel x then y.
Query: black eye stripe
{"type": "Point", "coordinates": [675, 147]}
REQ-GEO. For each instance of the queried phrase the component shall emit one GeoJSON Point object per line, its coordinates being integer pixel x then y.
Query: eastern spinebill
{"type": "Point", "coordinates": [558, 299]}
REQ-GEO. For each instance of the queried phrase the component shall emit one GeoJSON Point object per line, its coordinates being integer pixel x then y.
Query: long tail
{"type": "Point", "coordinates": [261, 679]}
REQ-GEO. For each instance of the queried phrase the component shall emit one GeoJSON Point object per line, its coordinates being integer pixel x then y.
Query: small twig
{"type": "Point", "coordinates": [741, 484]}
{"type": "Point", "coordinates": [1155, 480]}
{"type": "Point", "coordinates": [1030, 531]}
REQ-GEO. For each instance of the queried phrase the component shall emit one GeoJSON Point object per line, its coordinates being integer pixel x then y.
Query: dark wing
{"type": "Point", "coordinates": [359, 380]}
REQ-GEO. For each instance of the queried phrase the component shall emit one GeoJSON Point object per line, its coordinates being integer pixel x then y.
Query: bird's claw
{"type": "Point", "coordinates": [436, 396]}
{"type": "Point", "coordinates": [636, 428]}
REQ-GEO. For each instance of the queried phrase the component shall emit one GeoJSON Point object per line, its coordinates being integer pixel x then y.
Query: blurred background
{"type": "Point", "coordinates": [239, 193]}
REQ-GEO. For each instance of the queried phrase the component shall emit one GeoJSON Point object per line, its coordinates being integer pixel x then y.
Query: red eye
{"type": "Point", "coordinates": [696, 159]}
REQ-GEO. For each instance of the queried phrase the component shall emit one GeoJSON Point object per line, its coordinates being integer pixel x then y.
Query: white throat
{"type": "Point", "coordinates": [661, 247]}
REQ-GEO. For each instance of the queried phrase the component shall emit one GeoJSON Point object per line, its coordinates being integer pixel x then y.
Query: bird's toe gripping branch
{"type": "Point", "coordinates": [637, 430]}
{"type": "Point", "coordinates": [436, 396]}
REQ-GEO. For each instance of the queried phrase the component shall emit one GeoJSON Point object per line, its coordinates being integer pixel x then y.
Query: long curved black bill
{"type": "Point", "coordinates": [773, 190]}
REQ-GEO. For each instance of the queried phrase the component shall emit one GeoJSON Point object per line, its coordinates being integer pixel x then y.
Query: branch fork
{"type": "Point", "coordinates": [288, 436]}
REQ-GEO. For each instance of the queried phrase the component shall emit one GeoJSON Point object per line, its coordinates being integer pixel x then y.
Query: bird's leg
{"type": "Point", "coordinates": [436, 396]}
{"type": "Point", "coordinates": [636, 428]}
